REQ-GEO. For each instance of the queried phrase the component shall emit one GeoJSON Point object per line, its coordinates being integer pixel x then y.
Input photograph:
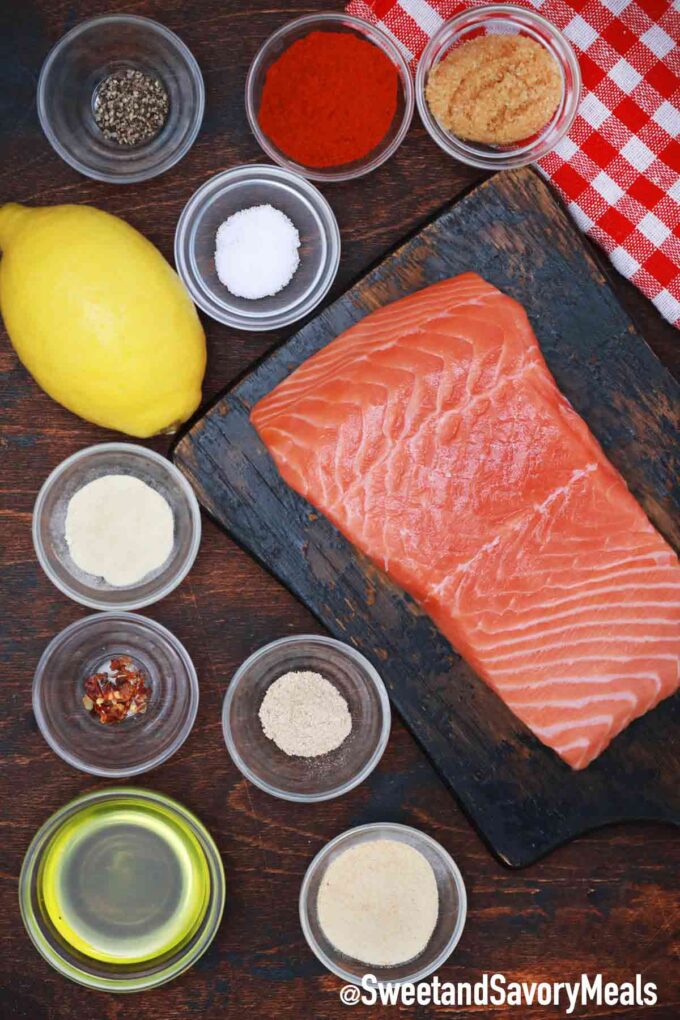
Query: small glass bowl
{"type": "Point", "coordinates": [94, 973]}
{"type": "Point", "coordinates": [240, 188]}
{"type": "Point", "coordinates": [307, 779]}
{"type": "Point", "coordinates": [298, 29]}
{"type": "Point", "coordinates": [77, 65]}
{"type": "Point", "coordinates": [139, 743]}
{"type": "Point", "coordinates": [509, 20]}
{"type": "Point", "coordinates": [450, 922]}
{"type": "Point", "coordinates": [49, 517]}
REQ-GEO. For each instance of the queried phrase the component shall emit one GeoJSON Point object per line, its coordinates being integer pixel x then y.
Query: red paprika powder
{"type": "Point", "coordinates": [329, 99]}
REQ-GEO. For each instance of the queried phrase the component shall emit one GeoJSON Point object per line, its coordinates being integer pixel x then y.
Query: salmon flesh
{"type": "Point", "coordinates": [434, 437]}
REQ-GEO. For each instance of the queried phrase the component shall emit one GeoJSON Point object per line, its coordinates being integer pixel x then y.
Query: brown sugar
{"type": "Point", "coordinates": [496, 89]}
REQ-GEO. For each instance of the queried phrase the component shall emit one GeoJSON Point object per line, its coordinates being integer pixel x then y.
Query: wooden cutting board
{"type": "Point", "coordinates": [522, 797]}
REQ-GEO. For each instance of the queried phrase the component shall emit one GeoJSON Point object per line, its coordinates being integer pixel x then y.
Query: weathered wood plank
{"type": "Point", "coordinates": [523, 799]}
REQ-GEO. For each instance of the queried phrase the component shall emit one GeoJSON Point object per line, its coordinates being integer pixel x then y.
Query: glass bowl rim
{"type": "Point", "coordinates": [363, 773]}
{"type": "Point", "coordinates": [137, 176]}
{"type": "Point", "coordinates": [375, 35]}
{"type": "Point", "coordinates": [385, 828]}
{"type": "Point", "coordinates": [101, 603]}
{"type": "Point", "coordinates": [32, 856]}
{"type": "Point", "coordinates": [108, 772]}
{"type": "Point", "coordinates": [468, 152]}
{"type": "Point", "coordinates": [220, 183]}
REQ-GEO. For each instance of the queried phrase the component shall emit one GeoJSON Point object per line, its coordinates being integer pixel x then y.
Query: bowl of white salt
{"type": "Point", "coordinates": [306, 718]}
{"type": "Point", "coordinates": [257, 247]}
{"type": "Point", "coordinates": [116, 526]}
{"type": "Point", "coordinates": [383, 899]}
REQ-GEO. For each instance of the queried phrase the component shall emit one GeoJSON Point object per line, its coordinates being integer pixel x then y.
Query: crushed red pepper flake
{"type": "Point", "coordinates": [118, 693]}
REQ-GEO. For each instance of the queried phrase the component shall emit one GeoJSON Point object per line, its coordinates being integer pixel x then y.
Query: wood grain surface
{"type": "Point", "coordinates": [521, 796]}
{"type": "Point", "coordinates": [607, 903]}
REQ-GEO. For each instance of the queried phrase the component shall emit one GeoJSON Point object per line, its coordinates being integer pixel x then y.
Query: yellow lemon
{"type": "Point", "coordinates": [99, 318]}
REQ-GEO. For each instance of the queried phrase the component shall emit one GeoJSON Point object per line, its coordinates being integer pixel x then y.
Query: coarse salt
{"type": "Point", "coordinates": [256, 252]}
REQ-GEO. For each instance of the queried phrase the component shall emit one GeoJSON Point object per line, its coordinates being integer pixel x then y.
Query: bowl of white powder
{"type": "Point", "coordinates": [306, 718]}
{"type": "Point", "coordinates": [116, 526]}
{"type": "Point", "coordinates": [383, 899]}
{"type": "Point", "coordinates": [258, 247]}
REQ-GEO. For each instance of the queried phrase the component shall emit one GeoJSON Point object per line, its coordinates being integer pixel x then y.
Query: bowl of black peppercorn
{"type": "Point", "coordinates": [121, 98]}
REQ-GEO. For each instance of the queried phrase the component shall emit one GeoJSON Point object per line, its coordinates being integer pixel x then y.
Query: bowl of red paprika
{"type": "Point", "coordinates": [329, 96]}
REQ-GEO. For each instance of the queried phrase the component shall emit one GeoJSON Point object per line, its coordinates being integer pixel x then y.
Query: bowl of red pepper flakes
{"type": "Point", "coordinates": [115, 694]}
{"type": "Point", "coordinates": [330, 97]}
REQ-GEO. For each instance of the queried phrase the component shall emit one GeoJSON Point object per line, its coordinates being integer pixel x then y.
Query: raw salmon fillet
{"type": "Point", "coordinates": [433, 435]}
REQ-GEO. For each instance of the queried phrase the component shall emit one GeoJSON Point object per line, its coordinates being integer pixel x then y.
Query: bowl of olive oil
{"type": "Point", "coordinates": [122, 889]}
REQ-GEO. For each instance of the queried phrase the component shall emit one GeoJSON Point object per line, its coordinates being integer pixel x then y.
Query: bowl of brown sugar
{"type": "Point", "coordinates": [498, 87]}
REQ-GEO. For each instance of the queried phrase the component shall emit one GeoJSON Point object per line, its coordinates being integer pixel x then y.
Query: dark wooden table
{"type": "Point", "coordinates": [608, 903]}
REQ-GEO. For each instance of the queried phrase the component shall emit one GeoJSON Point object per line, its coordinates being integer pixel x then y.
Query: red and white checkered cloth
{"type": "Point", "coordinates": [619, 168]}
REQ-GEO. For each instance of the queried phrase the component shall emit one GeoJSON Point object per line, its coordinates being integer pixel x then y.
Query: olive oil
{"type": "Point", "coordinates": [125, 881]}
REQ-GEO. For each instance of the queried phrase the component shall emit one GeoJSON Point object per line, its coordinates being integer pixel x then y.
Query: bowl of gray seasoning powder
{"type": "Point", "coordinates": [306, 718]}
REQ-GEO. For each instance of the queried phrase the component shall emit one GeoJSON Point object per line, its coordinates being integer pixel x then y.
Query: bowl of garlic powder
{"type": "Point", "coordinates": [306, 718]}
{"type": "Point", "coordinates": [116, 526]}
